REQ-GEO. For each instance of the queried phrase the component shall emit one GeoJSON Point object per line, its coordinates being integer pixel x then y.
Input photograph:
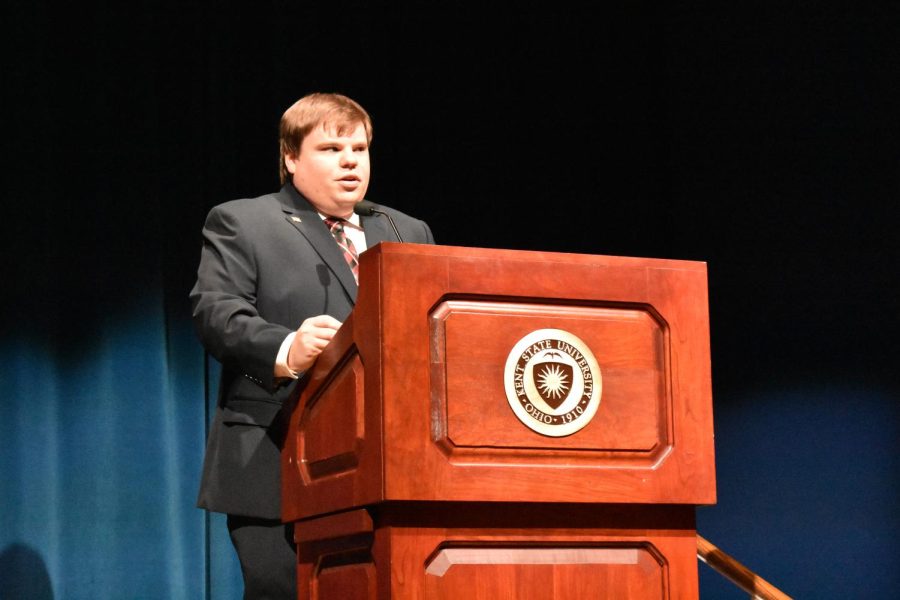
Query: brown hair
{"type": "Point", "coordinates": [334, 111]}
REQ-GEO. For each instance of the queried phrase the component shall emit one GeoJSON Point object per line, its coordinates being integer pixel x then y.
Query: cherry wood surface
{"type": "Point", "coordinates": [408, 403]}
{"type": "Point", "coordinates": [474, 339]}
{"type": "Point", "coordinates": [408, 475]}
{"type": "Point", "coordinates": [495, 552]}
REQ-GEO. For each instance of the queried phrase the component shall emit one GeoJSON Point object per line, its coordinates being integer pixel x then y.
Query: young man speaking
{"type": "Point", "coordinates": [277, 276]}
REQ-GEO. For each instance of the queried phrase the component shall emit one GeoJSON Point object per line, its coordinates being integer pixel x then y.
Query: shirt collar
{"type": "Point", "coordinates": [353, 221]}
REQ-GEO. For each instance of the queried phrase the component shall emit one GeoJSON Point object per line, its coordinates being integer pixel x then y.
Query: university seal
{"type": "Point", "coordinates": [553, 382]}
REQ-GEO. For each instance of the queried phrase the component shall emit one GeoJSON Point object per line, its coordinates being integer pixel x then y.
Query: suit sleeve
{"type": "Point", "coordinates": [224, 300]}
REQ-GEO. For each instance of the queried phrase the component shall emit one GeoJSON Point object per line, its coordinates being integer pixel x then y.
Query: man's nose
{"type": "Point", "coordinates": [348, 157]}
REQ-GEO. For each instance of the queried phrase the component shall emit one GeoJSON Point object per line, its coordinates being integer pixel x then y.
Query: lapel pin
{"type": "Point", "coordinates": [296, 219]}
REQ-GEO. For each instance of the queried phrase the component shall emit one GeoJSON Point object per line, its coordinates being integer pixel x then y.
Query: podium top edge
{"type": "Point", "coordinates": [473, 252]}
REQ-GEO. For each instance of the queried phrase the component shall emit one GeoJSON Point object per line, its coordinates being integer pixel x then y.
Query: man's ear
{"type": "Point", "coordinates": [290, 161]}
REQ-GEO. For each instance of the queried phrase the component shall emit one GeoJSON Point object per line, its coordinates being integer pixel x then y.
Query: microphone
{"type": "Point", "coordinates": [366, 208]}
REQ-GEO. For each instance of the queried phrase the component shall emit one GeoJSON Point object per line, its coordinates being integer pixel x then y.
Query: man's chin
{"type": "Point", "coordinates": [350, 200]}
{"type": "Point", "coordinates": [346, 205]}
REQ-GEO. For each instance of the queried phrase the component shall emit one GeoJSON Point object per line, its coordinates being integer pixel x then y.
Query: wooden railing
{"type": "Point", "coordinates": [740, 575]}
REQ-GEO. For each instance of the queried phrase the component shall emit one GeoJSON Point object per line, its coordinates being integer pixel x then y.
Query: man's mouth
{"type": "Point", "coordinates": [349, 182]}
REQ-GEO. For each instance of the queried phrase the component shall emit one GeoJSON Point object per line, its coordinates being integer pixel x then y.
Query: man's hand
{"type": "Point", "coordinates": [312, 337]}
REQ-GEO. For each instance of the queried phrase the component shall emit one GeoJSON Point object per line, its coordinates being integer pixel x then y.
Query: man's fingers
{"type": "Point", "coordinates": [312, 337]}
{"type": "Point", "coordinates": [324, 321]}
{"type": "Point", "coordinates": [322, 327]}
{"type": "Point", "coordinates": [318, 342]}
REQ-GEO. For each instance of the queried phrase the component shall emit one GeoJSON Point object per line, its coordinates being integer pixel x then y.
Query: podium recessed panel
{"type": "Point", "coordinates": [479, 358]}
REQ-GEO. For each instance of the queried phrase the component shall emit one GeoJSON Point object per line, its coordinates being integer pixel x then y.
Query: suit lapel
{"type": "Point", "coordinates": [305, 219]}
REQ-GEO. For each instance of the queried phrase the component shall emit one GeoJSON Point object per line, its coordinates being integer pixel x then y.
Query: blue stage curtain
{"type": "Point", "coordinates": [102, 443]}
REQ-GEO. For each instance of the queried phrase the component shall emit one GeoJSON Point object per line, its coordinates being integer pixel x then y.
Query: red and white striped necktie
{"type": "Point", "coordinates": [336, 225]}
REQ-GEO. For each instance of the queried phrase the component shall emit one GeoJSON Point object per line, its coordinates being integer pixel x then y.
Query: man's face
{"type": "Point", "coordinates": [332, 171]}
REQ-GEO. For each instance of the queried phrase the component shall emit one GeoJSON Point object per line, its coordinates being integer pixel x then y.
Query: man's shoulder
{"type": "Point", "coordinates": [245, 216]}
{"type": "Point", "coordinates": [247, 213]}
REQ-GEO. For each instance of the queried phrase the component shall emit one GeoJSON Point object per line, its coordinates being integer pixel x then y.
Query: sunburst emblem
{"type": "Point", "coordinates": [553, 382]}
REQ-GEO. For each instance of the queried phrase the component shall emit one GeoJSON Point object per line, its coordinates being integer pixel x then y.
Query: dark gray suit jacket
{"type": "Point", "coordinates": [267, 264]}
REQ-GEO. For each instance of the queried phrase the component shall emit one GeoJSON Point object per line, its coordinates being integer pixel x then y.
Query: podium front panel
{"type": "Point", "coordinates": [471, 341]}
{"type": "Point", "coordinates": [499, 375]}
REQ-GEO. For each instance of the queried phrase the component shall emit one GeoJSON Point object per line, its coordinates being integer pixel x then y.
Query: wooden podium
{"type": "Point", "coordinates": [493, 424]}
